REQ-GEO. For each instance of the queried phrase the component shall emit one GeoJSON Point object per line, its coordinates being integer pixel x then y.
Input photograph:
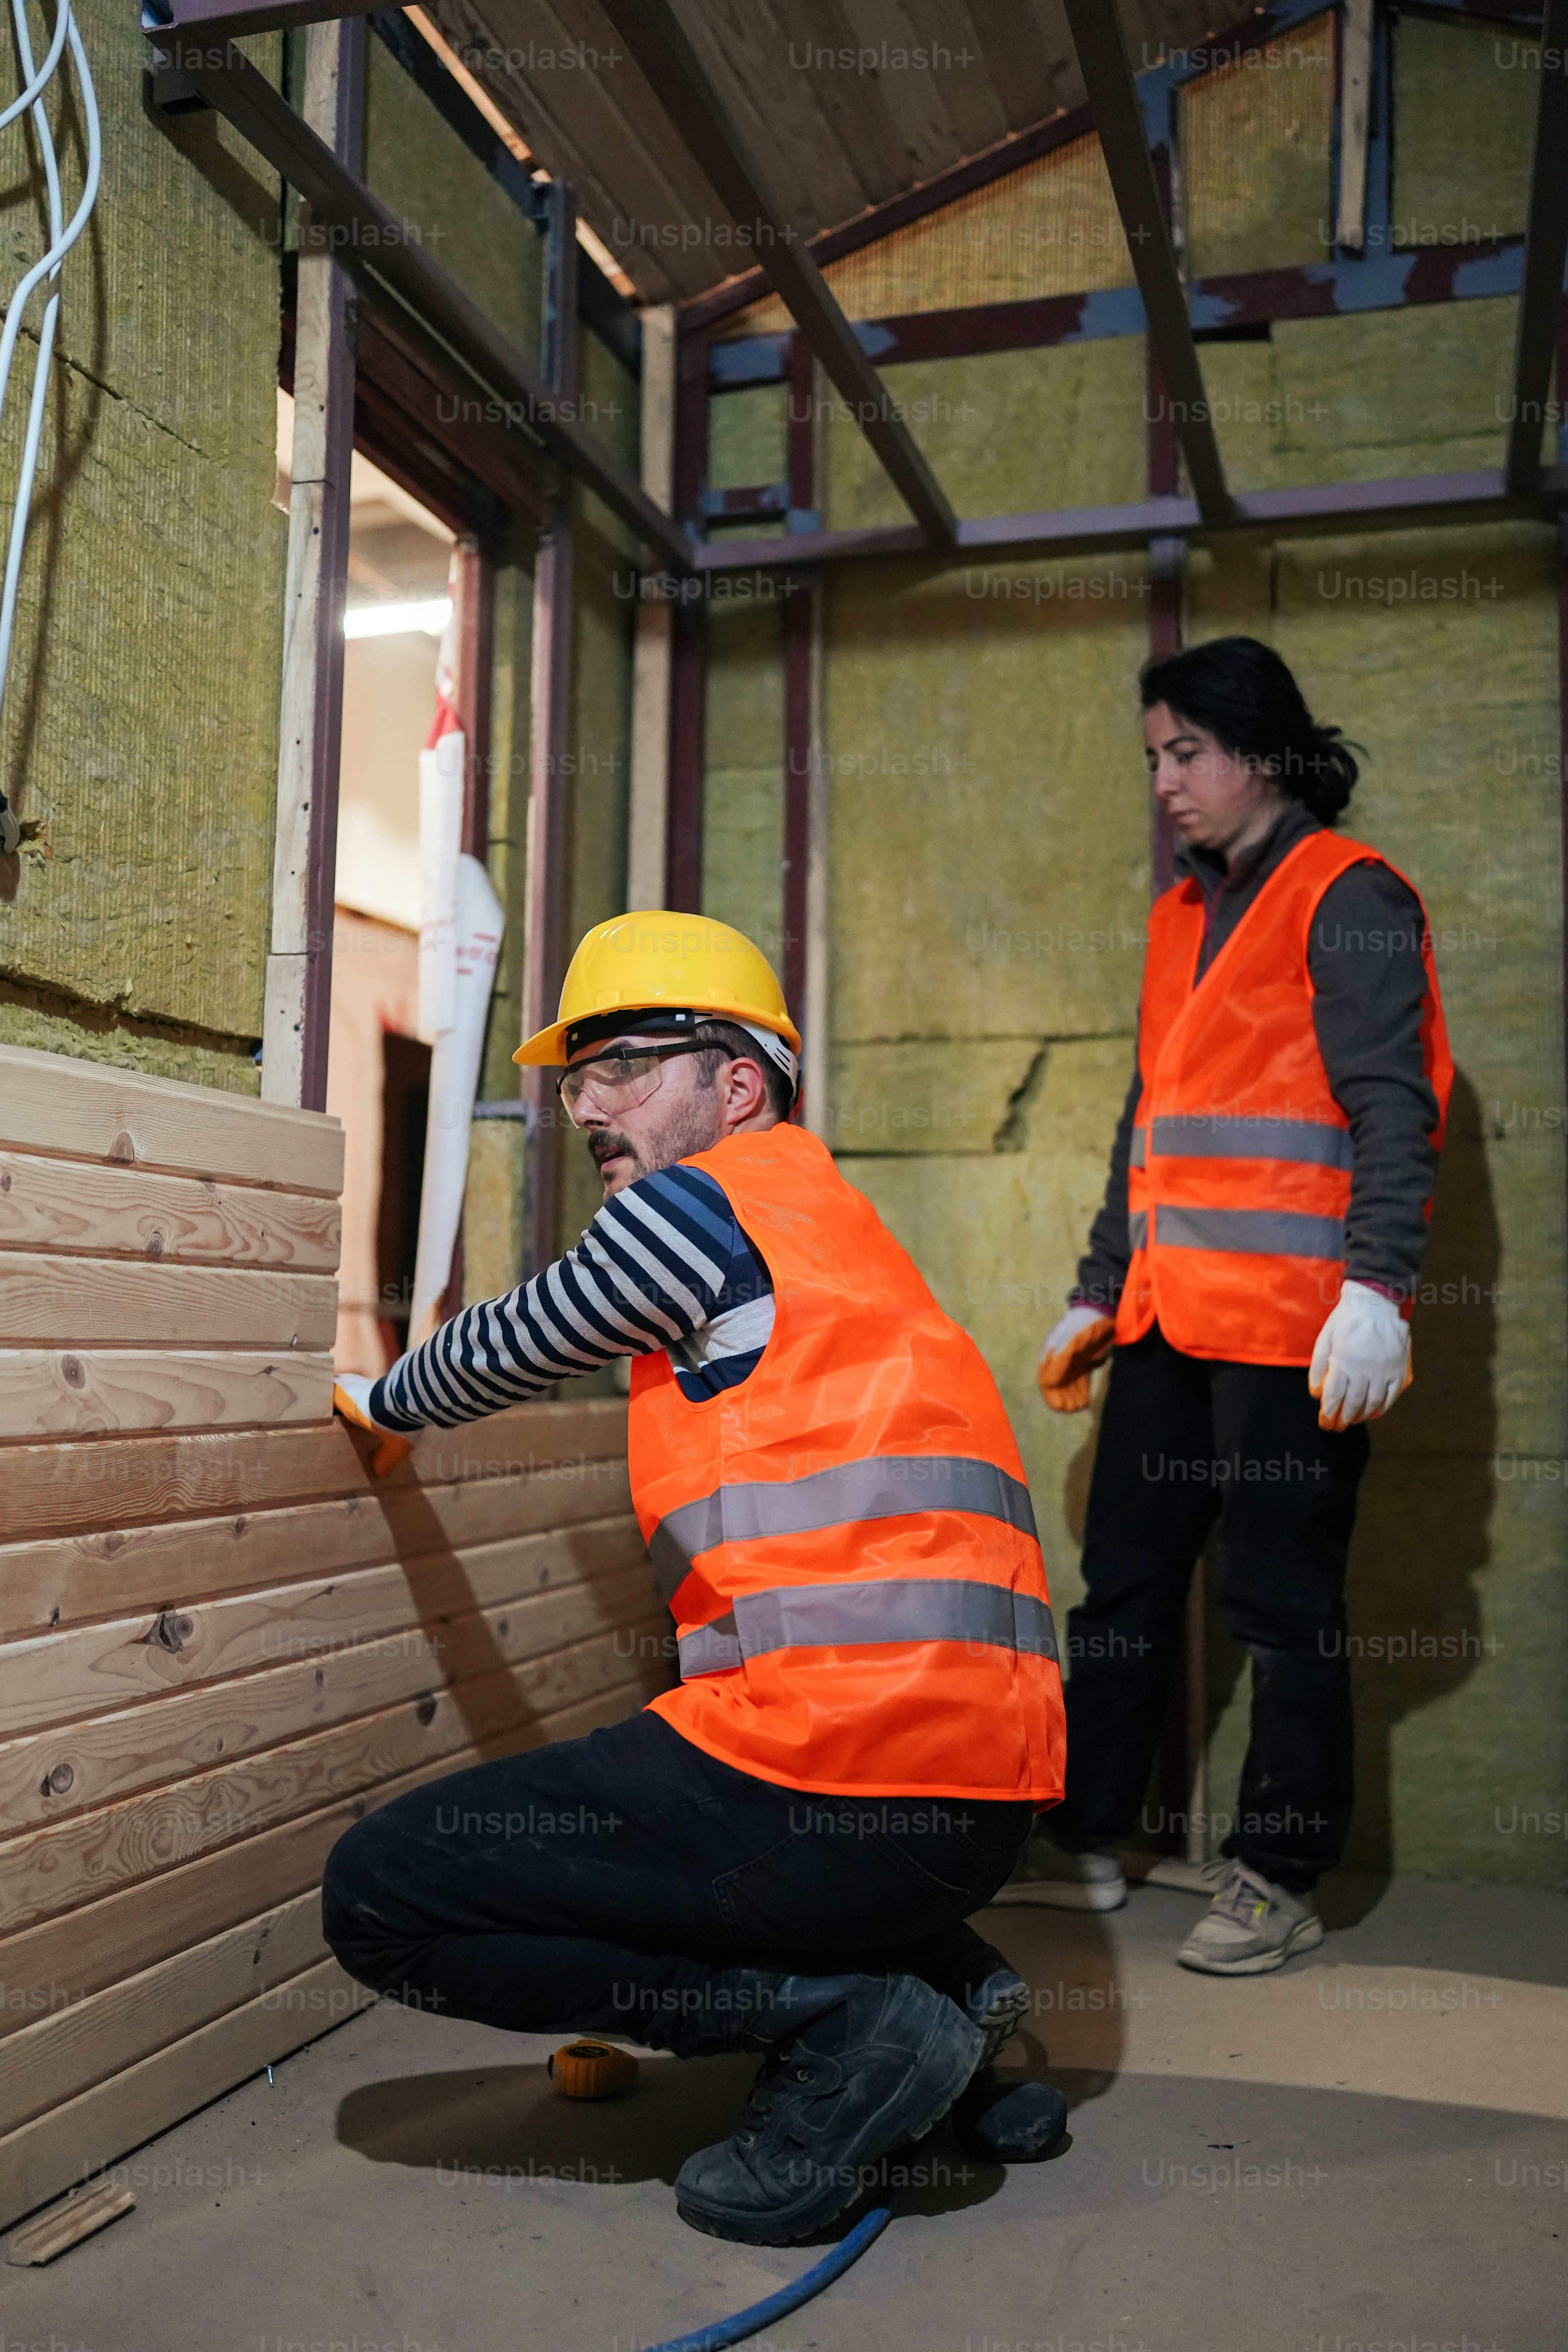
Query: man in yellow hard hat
{"type": "Point", "coordinates": [781, 1852]}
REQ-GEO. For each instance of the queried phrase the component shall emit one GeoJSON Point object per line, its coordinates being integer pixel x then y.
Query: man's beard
{"type": "Point", "coordinates": [690, 1127]}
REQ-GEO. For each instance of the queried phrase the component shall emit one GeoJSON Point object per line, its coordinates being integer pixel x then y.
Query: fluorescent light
{"type": "Point", "coordinates": [398, 620]}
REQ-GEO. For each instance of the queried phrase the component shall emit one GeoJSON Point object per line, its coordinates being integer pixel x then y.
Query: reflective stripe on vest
{"type": "Point", "coordinates": [885, 1487]}
{"type": "Point", "coordinates": [1258, 1232]}
{"type": "Point", "coordinates": [888, 1610]}
{"type": "Point", "coordinates": [1208, 1137]}
{"type": "Point", "coordinates": [1241, 1165]}
{"type": "Point", "coordinates": [846, 1536]}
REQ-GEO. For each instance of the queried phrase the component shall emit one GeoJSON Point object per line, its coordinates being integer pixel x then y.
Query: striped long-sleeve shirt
{"type": "Point", "coordinates": [664, 1265]}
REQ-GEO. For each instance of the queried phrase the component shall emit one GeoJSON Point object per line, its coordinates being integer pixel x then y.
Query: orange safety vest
{"type": "Point", "coordinates": [846, 1538]}
{"type": "Point", "coordinates": [1240, 1171]}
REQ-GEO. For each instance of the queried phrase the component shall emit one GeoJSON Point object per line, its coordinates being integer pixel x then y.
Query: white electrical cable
{"type": "Point", "coordinates": [41, 79]}
{"type": "Point", "coordinates": [61, 240]}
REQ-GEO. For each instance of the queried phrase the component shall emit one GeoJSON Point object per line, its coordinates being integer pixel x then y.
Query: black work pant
{"type": "Point", "coordinates": [616, 1883]}
{"type": "Point", "coordinates": [1185, 1442]}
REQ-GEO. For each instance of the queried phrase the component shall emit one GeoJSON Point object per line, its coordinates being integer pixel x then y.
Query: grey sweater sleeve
{"type": "Point", "coordinates": [1102, 1269]}
{"type": "Point", "coordinates": [1369, 979]}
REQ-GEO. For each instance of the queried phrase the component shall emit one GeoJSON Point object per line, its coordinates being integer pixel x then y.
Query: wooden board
{"type": "Point", "coordinates": [110, 1302]}
{"type": "Point", "coordinates": [60, 1677]}
{"type": "Point", "coordinates": [80, 2214]}
{"type": "Point", "coordinates": [124, 1211]}
{"type": "Point", "coordinates": [84, 2133]}
{"type": "Point", "coordinates": [46, 1967]}
{"type": "Point", "coordinates": [75, 1580]}
{"type": "Point", "coordinates": [135, 1481]}
{"type": "Point", "coordinates": [52, 1868]}
{"type": "Point", "coordinates": [87, 1111]}
{"type": "Point", "coordinates": [65, 2053]}
{"type": "Point", "coordinates": [88, 1392]}
{"type": "Point", "coordinates": [46, 1775]}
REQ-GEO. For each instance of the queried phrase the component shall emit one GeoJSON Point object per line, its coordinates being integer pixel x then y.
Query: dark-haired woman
{"type": "Point", "coordinates": [1252, 1270]}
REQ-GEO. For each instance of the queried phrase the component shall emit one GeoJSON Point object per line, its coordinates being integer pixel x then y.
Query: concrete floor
{"type": "Point", "coordinates": [1368, 2149]}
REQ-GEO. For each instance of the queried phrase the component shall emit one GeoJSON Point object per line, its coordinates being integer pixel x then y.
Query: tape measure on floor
{"type": "Point", "coordinates": [592, 2070]}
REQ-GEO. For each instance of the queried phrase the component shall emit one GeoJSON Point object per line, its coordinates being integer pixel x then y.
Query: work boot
{"type": "Point", "coordinates": [1250, 1927]}
{"type": "Point", "coordinates": [998, 2121]}
{"type": "Point", "coordinates": [878, 2062]}
{"type": "Point", "coordinates": [998, 2004]}
{"type": "Point", "coordinates": [1008, 2123]}
{"type": "Point", "coordinates": [1050, 1872]}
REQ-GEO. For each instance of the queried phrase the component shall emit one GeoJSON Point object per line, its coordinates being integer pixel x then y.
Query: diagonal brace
{"type": "Point", "coordinates": [675, 73]}
{"type": "Point", "coordinates": [1119, 118]}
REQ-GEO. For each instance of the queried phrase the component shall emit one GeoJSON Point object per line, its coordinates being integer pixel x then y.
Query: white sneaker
{"type": "Point", "coordinates": [1050, 1872]}
{"type": "Point", "coordinates": [1250, 1927]}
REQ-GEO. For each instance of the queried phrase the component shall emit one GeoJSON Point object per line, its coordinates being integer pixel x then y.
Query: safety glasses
{"type": "Point", "coordinates": [619, 1079]}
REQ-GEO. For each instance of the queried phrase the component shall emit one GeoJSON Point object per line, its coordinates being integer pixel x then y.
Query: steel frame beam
{"type": "Point", "coordinates": [677, 78]}
{"type": "Point", "coordinates": [236, 18]}
{"type": "Point", "coordinates": [551, 704]}
{"type": "Point", "coordinates": [1545, 251]}
{"type": "Point", "coordinates": [1119, 118]}
{"type": "Point", "coordinates": [1312, 289]}
{"type": "Point", "coordinates": [369, 237]}
{"type": "Point", "coordinates": [1416, 498]}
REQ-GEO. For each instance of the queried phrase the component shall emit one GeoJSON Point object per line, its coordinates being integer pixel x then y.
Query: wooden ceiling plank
{"type": "Point", "coordinates": [977, 99]}
{"type": "Point", "coordinates": [1032, 76]}
{"type": "Point", "coordinates": [856, 118]}
{"type": "Point", "coordinates": [601, 132]}
{"type": "Point", "coordinates": [927, 139]}
{"type": "Point", "coordinates": [750, 52]}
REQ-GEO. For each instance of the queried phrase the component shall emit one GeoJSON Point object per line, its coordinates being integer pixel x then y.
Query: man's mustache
{"type": "Point", "coordinates": [604, 1145]}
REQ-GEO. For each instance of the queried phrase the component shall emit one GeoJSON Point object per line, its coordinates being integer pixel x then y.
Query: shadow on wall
{"type": "Point", "coordinates": [1422, 1525]}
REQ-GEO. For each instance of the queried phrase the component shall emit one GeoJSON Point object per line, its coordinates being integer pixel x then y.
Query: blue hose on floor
{"type": "Point", "coordinates": [758, 2316]}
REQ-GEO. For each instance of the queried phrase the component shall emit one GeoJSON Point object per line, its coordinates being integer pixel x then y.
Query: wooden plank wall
{"type": "Point", "coordinates": [221, 1640]}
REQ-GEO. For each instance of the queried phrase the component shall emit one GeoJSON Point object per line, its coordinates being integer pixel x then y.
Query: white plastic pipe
{"type": "Point", "coordinates": [440, 841]}
{"type": "Point", "coordinates": [454, 1083]}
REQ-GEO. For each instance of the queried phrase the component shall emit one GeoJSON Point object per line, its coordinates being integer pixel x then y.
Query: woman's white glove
{"type": "Point", "coordinates": [1361, 1360]}
{"type": "Point", "coordinates": [1073, 1348]}
{"type": "Point", "coordinates": [350, 1401]}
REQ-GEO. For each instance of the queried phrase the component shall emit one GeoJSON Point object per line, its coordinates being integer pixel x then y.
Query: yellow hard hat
{"type": "Point", "coordinates": [660, 961]}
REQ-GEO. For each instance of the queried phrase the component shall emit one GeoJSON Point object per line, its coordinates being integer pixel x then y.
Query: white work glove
{"type": "Point", "coordinates": [351, 1401]}
{"type": "Point", "coordinates": [1073, 1348]}
{"type": "Point", "coordinates": [1361, 1360]}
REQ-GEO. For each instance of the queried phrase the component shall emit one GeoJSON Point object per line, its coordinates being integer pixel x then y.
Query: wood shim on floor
{"type": "Point", "coordinates": [76, 2217]}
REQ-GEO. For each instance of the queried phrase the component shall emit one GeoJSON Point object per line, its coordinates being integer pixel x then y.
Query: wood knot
{"type": "Point", "coordinates": [72, 1370]}
{"type": "Point", "coordinates": [156, 1245]}
{"type": "Point", "coordinates": [122, 1151]}
{"type": "Point", "coordinates": [57, 1782]}
{"type": "Point", "coordinates": [5, 1180]}
{"type": "Point", "coordinates": [425, 1709]}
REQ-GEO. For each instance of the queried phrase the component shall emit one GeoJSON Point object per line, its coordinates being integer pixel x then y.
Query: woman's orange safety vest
{"type": "Point", "coordinates": [1240, 1171]}
{"type": "Point", "coordinates": [846, 1538]}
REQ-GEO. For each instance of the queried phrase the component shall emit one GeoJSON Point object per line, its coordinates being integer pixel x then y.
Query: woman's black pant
{"type": "Point", "coordinates": [1185, 1442]}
